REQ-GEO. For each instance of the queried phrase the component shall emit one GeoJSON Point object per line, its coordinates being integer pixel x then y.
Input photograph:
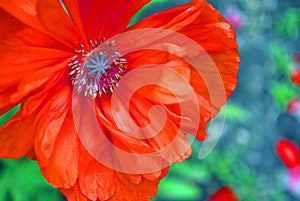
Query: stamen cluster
{"type": "Point", "coordinates": [96, 69]}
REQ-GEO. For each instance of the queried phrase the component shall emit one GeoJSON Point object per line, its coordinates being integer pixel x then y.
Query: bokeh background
{"type": "Point", "coordinates": [256, 116]}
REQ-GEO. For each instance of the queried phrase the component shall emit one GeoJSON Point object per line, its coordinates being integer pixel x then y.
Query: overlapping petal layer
{"type": "Point", "coordinates": [203, 24]}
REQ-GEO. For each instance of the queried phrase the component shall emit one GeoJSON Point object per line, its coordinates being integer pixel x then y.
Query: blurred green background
{"type": "Point", "coordinates": [244, 158]}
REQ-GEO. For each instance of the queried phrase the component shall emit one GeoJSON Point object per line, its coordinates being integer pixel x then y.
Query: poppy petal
{"type": "Point", "coordinates": [216, 37]}
{"type": "Point", "coordinates": [219, 44]}
{"type": "Point", "coordinates": [106, 18]}
{"type": "Point", "coordinates": [62, 168]}
{"type": "Point", "coordinates": [17, 33]}
{"type": "Point", "coordinates": [16, 139]}
{"type": "Point", "coordinates": [13, 95]}
{"type": "Point", "coordinates": [25, 59]}
{"type": "Point", "coordinates": [18, 133]}
{"type": "Point", "coordinates": [120, 138]}
{"type": "Point", "coordinates": [25, 69]}
{"type": "Point", "coordinates": [157, 137]}
{"type": "Point", "coordinates": [18, 68]}
{"type": "Point", "coordinates": [134, 178]}
{"type": "Point", "coordinates": [95, 180]}
{"type": "Point", "coordinates": [171, 83]}
{"type": "Point", "coordinates": [46, 16]}
{"type": "Point", "coordinates": [169, 136]}
{"type": "Point", "coordinates": [153, 176]}
{"type": "Point", "coordinates": [49, 121]}
{"type": "Point", "coordinates": [73, 11]}
{"type": "Point", "coordinates": [145, 190]}
{"type": "Point", "coordinates": [74, 193]}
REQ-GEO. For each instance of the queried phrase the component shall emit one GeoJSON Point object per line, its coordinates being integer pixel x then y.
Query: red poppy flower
{"type": "Point", "coordinates": [48, 53]}
{"type": "Point", "coordinates": [224, 194]}
{"type": "Point", "coordinates": [288, 152]}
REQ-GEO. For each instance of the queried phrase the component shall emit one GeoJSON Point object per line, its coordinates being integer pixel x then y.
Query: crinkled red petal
{"type": "Point", "coordinates": [203, 24]}
{"type": "Point", "coordinates": [49, 121]}
{"type": "Point", "coordinates": [104, 18]}
{"type": "Point", "coordinates": [61, 168]}
{"type": "Point", "coordinates": [48, 17]}
{"type": "Point", "coordinates": [95, 180]}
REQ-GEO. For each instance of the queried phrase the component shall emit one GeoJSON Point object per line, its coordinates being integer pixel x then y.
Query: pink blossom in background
{"type": "Point", "coordinates": [235, 18]}
{"type": "Point", "coordinates": [293, 106]}
{"type": "Point", "coordinates": [293, 181]}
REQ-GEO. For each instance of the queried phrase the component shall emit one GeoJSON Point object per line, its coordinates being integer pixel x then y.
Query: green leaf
{"type": "Point", "coordinates": [175, 189]}
{"type": "Point", "coordinates": [192, 170]}
{"type": "Point", "coordinates": [283, 93]}
{"type": "Point", "coordinates": [4, 118]}
{"type": "Point", "coordinates": [21, 180]}
{"type": "Point", "coordinates": [235, 113]}
{"type": "Point", "coordinates": [153, 7]}
{"type": "Point", "coordinates": [289, 24]}
{"type": "Point", "coordinates": [281, 58]}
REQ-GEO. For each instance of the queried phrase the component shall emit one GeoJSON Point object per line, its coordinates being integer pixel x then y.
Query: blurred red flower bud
{"type": "Point", "coordinates": [288, 152]}
{"type": "Point", "coordinates": [224, 194]}
{"type": "Point", "coordinates": [295, 76]}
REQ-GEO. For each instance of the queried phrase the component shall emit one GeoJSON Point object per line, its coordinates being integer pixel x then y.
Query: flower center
{"type": "Point", "coordinates": [97, 70]}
